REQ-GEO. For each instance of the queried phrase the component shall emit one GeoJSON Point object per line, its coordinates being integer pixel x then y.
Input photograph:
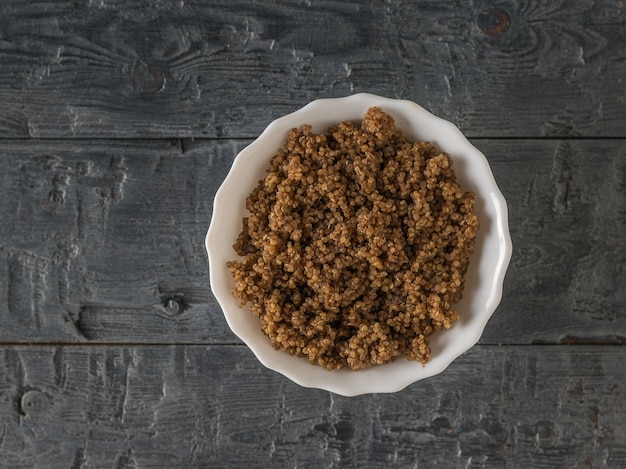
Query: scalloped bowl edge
{"type": "Point", "coordinates": [492, 261]}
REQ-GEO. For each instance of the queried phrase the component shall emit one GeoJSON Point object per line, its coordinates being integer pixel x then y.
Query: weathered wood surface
{"type": "Point", "coordinates": [216, 406]}
{"type": "Point", "coordinates": [119, 120]}
{"type": "Point", "coordinates": [105, 233]}
{"type": "Point", "coordinates": [115, 68]}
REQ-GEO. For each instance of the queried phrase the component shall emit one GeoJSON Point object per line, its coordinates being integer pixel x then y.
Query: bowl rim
{"type": "Point", "coordinates": [380, 385]}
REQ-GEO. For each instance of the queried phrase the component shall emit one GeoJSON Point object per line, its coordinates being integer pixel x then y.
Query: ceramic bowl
{"type": "Point", "coordinates": [484, 278]}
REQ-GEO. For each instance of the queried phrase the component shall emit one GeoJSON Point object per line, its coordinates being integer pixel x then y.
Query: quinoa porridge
{"type": "Point", "coordinates": [356, 245]}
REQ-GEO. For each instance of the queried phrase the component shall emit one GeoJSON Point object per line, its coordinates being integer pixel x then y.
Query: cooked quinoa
{"type": "Point", "coordinates": [356, 245]}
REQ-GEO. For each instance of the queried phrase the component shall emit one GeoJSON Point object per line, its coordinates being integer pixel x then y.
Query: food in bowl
{"type": "Point", "coordinates": [356, 244]}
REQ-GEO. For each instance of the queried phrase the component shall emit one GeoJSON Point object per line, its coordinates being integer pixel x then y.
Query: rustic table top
{"type": "Point", "coordinates": [119, 120]}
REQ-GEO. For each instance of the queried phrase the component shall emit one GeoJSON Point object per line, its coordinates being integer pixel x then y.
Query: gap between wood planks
{"type": "Point", "coordinates": [189, 140]}
{"type": "Point", "coordinates": [568, 342]}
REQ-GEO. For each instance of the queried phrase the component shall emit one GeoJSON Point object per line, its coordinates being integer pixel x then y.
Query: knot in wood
{"type": "Point", "coordinates": [493, 21]}
{"type": "Point", "coordinates": [172, 307]}
{"type": "Point", "coordinates": [53, 201]}
{"type": "Point", "coordinates": [34, 403]}
{"type": "Point", "coordinates": [148, 78]}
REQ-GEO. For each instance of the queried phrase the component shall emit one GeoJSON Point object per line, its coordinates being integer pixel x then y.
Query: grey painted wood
{"type": "Point", "coordinates": [217, 407]}
{"type": "Point", "coordinates": [567, 208]}
{"type": "Point", "coordinates": [103, 234]}
{"type": "Point", "coordinates": [118, 122]}
{"type": "Point", "coordinates": [113, 68]}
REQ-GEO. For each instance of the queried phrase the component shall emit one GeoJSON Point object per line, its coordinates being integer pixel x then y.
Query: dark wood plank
{"type": "Point", "coordinates": [103, 234]}
{"type": "Point", "coordinates": [192, 406]}
{"type": "Point", "coordinates": [227, 68]}
{"type": "Point", "coordinates": [567, 214]}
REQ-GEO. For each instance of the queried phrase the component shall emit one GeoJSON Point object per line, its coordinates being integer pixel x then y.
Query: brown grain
{"type": "Point", "coordinates": [356, 245]}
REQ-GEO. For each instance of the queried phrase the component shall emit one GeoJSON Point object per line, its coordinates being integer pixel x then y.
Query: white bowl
{"type": "Point", "coordinates": [483, 280]}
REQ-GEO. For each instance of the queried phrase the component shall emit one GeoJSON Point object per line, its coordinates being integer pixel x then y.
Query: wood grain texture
{"type": "Point", "coordinates": [103, 234]}
{"type": "Point", "coordinates": [114, 68]}
{"type": "Point", "coordinates": [194, 406]}
{"type": "Point", "coordinates": [119, 119]}
{"type": "Point", "coordinates": [567, 208]}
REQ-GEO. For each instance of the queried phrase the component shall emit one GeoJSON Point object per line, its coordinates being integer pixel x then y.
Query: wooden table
{"type": "Point", "coordinates": [120, 119]}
